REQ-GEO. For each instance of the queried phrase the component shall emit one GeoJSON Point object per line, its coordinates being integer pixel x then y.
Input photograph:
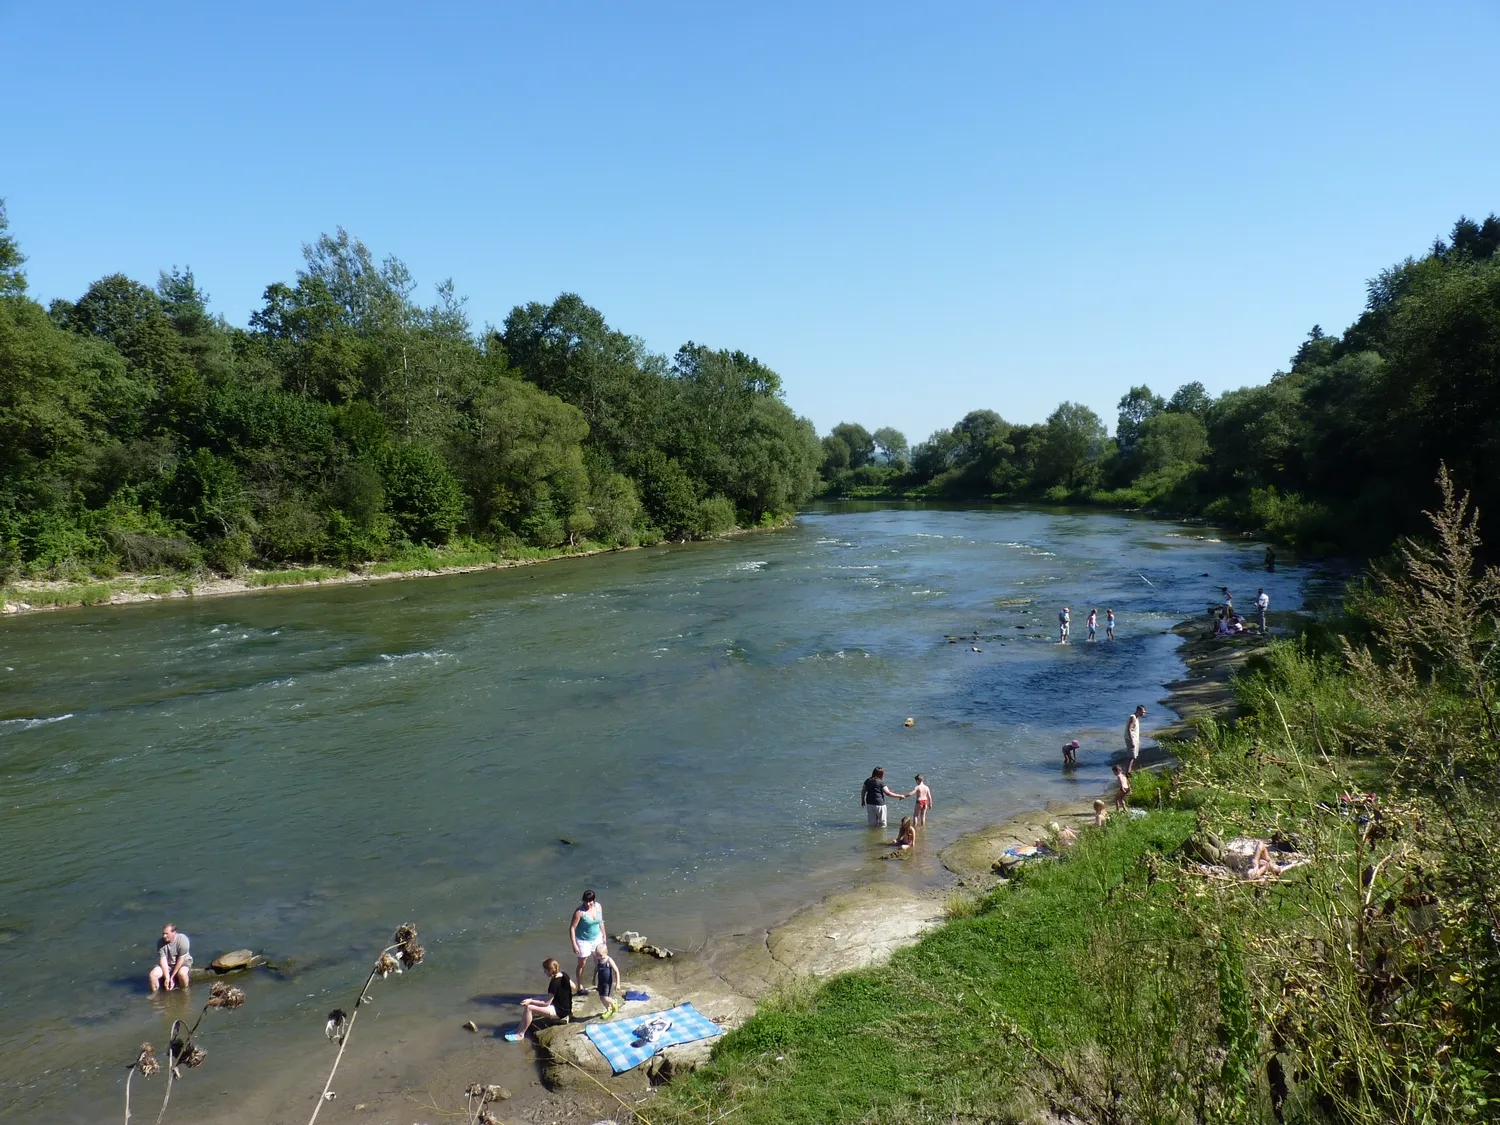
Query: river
{"type": "Point", "coordinates": [301, 771]}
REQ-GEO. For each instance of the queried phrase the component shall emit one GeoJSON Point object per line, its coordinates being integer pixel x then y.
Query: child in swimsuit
{"type": "Point", "coordinates": [1122, 788]}
{"type": "Point", "coordinates": [606, 976]}
{"type": "Point", "coordinates": [1070, 753]}
{"type": "Point", "coordinates": [1093, 624]}
{"type": "Point", "coordinates": [1109, 624]}
{"type": "Point", "coordinates": [924, 801]}
{"type": "Point", "coordinates": [906, 836]}
{"type": "Point", "coordinates": [1100, 816]}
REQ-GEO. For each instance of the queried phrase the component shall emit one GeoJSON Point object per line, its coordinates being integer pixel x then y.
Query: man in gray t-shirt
{"type": "Point", "coordinates": [173, 961]}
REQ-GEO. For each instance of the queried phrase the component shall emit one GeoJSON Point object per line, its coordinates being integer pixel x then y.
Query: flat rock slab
{"type": "Point", "coordinates": [848, 931]}
{"type": "Point", "coordinates": [238, 959]}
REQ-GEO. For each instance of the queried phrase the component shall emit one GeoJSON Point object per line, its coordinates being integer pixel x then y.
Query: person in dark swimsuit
{"type": "Point", "coordinates": [556, 1005]}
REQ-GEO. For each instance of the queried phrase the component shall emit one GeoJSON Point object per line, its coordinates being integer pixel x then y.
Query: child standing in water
{"type": "Point", "coordinates": [1093, 625]}
{"type": "Point", "coordinates": [1063, 621]}
{"type": "Point", "coordinates": [1109, 624]}
{"type": "Point", "coordinates": [923, 794]}
{"type": "Point", "coordinates": [1122, 788]}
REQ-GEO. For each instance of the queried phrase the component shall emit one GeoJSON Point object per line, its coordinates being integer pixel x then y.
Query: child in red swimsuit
{"type": "Point", "coordinates": [924, 801]}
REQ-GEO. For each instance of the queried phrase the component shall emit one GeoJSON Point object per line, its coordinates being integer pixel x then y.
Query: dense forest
{"type": "Point", "coordinates": [349, 423]}
{"type": "Point", "coordinates": [1338, 452]}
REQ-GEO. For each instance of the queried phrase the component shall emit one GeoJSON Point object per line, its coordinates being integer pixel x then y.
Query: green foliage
{"type": "Point", "coordinates": [1338, 453]}
{"type": "Point", "coordinates": [425, 500]}
{"type": "Point", "coordinates": [138, 430]}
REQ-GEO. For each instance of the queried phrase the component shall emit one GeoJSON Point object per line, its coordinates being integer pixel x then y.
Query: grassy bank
{"type": "Point", "coordinates": [416, 561]}
{"type": "Point", "coordinates": [410, 562]}
{"type": "Point", "coordinates": [1137, 979]}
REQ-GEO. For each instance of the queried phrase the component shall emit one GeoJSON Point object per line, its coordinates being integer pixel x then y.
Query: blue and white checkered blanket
{"type": "Point", "coordinates": [616, 1038]}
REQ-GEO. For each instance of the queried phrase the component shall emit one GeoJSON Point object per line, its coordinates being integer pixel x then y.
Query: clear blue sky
{"type": "Point", "coordinates": [910, 211]}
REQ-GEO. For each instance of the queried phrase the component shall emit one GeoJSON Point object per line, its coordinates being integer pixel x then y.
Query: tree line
{"type": "Point", "coordinates": [350, 421]}
{"type": "Point", "coordinates": [1338, 452]}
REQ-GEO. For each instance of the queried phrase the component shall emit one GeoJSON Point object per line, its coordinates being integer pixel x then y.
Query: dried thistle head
{"type": "Point", "coordinates": [386, 966]}
{"type": "Point", "coordinates": [474, 1090]}
{"type": "Point", "coordinates": [411, 950]}
{"type": "Point", "coordinates": [338, 1023]}
{"type": "Point", "coordinates": [187, 1054]}
{"type": "Point", "coordinates": [146, 1062]}
{"type": "Point", "coordinates": [487, 1118]}
{"type": "Point", "coordinates": [222, 995]}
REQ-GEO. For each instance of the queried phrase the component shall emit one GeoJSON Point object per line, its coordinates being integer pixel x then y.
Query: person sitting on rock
{"type": "Point", "coordinates": [556, 1005]}
{"type": "Point", "coordinates": [174, 964]}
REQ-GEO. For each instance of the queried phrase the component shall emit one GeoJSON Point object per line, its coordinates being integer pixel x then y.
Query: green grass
{"type": "Point", "coordinates": [96, 593]}
{"type": "Point", "coordinates": [435, 558]}
{"type": "Point", "coordinates": [293, 577]}
{"type": "Point", "coordinates": [927, 1037]}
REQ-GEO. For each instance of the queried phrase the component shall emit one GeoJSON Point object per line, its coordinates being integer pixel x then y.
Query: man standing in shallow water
{"type": "Point", "coordinates": [1133, 737]}
{"type": "Point", "coordinates": [174, 962]}
{"type": "Point", "coordinates": [872, 796]}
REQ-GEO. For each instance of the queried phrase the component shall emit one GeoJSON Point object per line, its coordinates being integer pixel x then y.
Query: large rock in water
{"type": "Point", "coordinates": [236, 959]}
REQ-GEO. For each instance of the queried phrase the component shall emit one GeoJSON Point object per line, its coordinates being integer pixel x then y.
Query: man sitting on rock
{"type": "Point", "coordinates": [174, 962]}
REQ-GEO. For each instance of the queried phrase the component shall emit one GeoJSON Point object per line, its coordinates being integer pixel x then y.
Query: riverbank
{"type": "Point", "coordinates": [33, 595]}
{"type": "Point", "coordinates": [734, 977]}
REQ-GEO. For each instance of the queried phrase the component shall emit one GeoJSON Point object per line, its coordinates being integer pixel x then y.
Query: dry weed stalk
{"type": "Point", "coordinates": [146, 1065]}
{"type": "Point", "coordinates": [405, 950]}
{"type": "Point", "coordinates": [182, 1052]}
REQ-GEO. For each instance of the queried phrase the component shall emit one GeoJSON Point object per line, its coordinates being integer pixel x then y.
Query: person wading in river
{"type": "Point", "coordinates": [1133, 737]}
{"type": "Point", "coordinates": [872, 796]}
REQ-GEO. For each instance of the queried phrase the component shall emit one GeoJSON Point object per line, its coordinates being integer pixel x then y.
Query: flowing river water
{"type": "Point", "coordinates": [300, 771]}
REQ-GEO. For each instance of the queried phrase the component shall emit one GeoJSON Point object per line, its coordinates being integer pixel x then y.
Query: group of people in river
{"type": "Point", "coordinates": [1065, 624]}
{"type": "Point", "coordinates": [872, 797]}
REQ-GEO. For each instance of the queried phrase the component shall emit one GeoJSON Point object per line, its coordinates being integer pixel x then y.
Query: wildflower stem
{"type": "Point", "coordinates": [129, 1074]}
{"type": "Point", "coordinates": [171, 1069]}
{"type": "Point", "coordinates": [344, 1039]}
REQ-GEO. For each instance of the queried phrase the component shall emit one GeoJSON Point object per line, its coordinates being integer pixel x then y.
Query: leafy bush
{"type": "Point", "coordinates": [715, 517]}
{"type": "Point", "coordinates": [423, 496]}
